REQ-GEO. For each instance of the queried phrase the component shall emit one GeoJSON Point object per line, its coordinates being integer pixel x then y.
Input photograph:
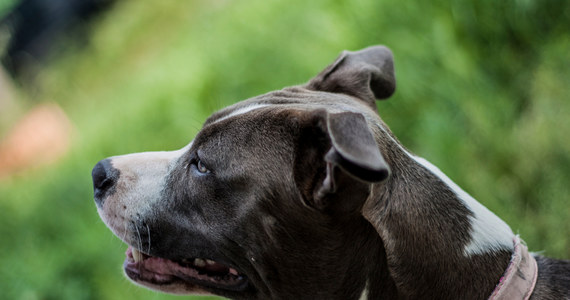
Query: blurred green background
{"type": "Point", "coordinates": [483, 93]}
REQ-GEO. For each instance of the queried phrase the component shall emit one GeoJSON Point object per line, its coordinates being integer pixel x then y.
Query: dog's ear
{"type": "Point", "coordinates": [337, 156]}
{"type": "Point", "coordinates": [367, 74]}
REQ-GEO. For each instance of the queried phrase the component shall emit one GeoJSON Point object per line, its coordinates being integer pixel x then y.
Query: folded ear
{"type": "Point", "coordinates": [354, 148]}
{"type": "Point", "coordinates": [367, 74]}
{"type": "Point", "coordinates": [337, 156]}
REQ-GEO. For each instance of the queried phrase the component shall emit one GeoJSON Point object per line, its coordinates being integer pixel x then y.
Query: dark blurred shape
{"type": "Point", "coordinates": [39, 30]}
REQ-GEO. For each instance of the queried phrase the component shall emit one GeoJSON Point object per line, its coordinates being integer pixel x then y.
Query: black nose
{"type": "Point", "coordinates": [104, 179]}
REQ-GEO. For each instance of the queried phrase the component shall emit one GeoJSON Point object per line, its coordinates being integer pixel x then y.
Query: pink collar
{"type": "Point", "coordinates": [519, 279]}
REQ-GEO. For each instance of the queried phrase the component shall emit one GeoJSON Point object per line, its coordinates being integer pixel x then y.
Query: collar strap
{"type": "Point", "coordinates": [519, 279]}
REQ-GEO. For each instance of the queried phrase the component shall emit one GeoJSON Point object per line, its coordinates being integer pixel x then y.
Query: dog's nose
{"type": "Point", "coordinates": [104, 178]}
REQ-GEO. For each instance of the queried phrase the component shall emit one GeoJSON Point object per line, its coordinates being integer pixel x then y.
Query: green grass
{"type": "Point", "coordinates": [482, 93]}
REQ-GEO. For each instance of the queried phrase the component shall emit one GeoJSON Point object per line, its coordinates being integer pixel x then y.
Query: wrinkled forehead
{"type": "Point", "coordinates": [247, 127]}
{"type": "Point", "coordinates": [262, 127]}
{"type": "Point", "coordinates": [293, 99]}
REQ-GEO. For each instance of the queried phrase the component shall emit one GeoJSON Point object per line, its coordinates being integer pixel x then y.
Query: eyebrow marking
{"type": "Point", "coordinates": [240, 111]}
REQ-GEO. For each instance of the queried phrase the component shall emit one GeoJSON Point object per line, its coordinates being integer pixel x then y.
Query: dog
{"type": "Point", "coordinates": [305, 193]}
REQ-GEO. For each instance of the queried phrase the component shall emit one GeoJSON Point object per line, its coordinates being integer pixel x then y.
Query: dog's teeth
{"type": "Point", "coordinates": [137, 256]}
{"type": "Point", "coordinates": [210, 262]}
{"type": "Point", "coordinates": [198, 262]}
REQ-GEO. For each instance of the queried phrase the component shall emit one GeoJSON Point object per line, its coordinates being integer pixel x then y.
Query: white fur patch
{"type": "Point", "coordinates": [364, 294]}
{"type": "Point", "coordinates": [241, 111]}
{"type": "Point", "coordinates": [488, 232]}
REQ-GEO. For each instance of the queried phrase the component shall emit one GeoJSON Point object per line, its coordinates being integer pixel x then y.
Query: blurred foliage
{"type": "Point", "coordinates": [482, 93]}
{"type": "Point", "coordinates": [6, 5]}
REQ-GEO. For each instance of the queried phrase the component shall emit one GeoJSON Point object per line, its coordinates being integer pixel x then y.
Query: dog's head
{"type": "Point", "coordinates": [266, 201]}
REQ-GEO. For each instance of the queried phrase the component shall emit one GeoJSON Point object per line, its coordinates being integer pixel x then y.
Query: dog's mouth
{"type": "Point", "coordinates": [200, 272]}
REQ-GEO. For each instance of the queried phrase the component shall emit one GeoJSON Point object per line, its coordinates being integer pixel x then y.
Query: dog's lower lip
{"type": "Point", "coordinates": [143, 267]}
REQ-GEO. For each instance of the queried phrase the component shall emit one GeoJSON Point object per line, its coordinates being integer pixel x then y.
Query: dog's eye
{"type": "Point", "coordinates": [201, 168]}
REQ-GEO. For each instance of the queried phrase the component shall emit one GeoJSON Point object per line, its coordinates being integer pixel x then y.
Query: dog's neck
{"type": "Point", "coordinates": [439, 242]}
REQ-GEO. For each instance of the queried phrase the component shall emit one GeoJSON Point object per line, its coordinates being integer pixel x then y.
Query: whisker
{"type": "Point", "coordinates": [124, 238]}
{"type": "Point", "coordinates": [139, 241]}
